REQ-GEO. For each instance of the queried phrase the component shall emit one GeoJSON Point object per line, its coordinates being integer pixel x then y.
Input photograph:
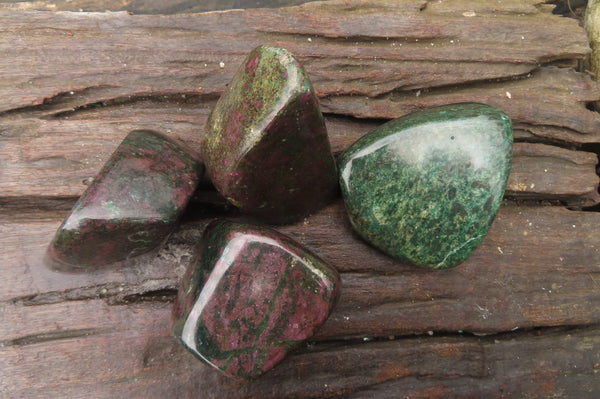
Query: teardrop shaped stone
{"type": "Point", "coordinates": [426, 187]}
{"type": "Point", "coordinates": [266, 147]}
{"type": "Point", "coordinates": [251, 296]}
{"type": "Point", "coordinates": [131, 206]}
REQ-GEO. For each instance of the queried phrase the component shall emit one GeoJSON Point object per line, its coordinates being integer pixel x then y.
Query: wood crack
{"type": "Point", "coordinates": [57, 100]}
{"type": "Point", "coordinates": [51, 336]}
{"type": "Point", "coordinates": [129, 100]}
{"type": "Point", "coordinates": [73, 90]}
{"type": "Point", "coordinates": [156, 290]}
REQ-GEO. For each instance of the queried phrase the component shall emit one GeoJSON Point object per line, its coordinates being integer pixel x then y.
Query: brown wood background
{"type": "Point", "coordinates": [519, 319]}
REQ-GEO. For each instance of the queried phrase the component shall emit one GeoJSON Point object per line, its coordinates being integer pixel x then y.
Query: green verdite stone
{"type": "Point", "coordinates": [426, 187]}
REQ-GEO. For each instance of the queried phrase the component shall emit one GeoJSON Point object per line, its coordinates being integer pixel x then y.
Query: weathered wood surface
{"type": "Point", "coordinates": [364, 48]}
{"type": "Point", "coordinates": [561, 362]}
{"type": "Point", "coordinates": [144, 6]}
{"type": "Point", "coordinates": [538, 266]}
{"type": "Point", "coordinates": [63, 74]}
{"type": "Point", "coordinates": [73, 84]}
{"type": "Point", "coordinates": [107, 333]}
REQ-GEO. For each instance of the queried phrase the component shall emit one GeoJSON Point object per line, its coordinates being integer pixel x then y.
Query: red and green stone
{"type": "Point", "coordinates": [131, 206]}
{"type": "Point", "coordinates": [266, 147]}
{"type": "Point", "coordinates": [426, 187]}
{"type": "Point", "coordinates": [251, 296]}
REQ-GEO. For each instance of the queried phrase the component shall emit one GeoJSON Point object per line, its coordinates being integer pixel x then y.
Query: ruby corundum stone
{"type": "Point", "coordinates": [251, 296]}
{"type": "Point", "coordinates": [131, 206]}
{"type": "Point", "coordinates": [266, 148]}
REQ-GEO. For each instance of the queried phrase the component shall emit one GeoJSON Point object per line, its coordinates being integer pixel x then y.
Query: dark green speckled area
{"type": "Point", "coordinates": [426, 187]}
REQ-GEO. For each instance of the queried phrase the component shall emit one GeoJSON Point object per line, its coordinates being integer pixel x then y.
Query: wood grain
{"type": "Point", "coordinates": [366, 48]}
{"type": "Point", "coordinates": [75, 84]}
{"type": "Point", "coordinates": [538, 266]}
{"type": "Point", "coordinates": [129, 353]}
{"type": "Point", "coordinates": [517, 319]}
{"type": "Point", "coordinates": [61, 156]}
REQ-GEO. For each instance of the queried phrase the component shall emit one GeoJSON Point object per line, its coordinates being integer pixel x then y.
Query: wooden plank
{"type": "Point", "coordinates": [129, 353]}
{"type": "Point", "coordinates": [548, 105]}
{"type": "Point", "coordinates": [538, 266]}
{"type": "Point", "coordinates": [61, 156]}
{"type": "Point", "coordinates": [72, 89]}
{"type": "Point", "coordinates": [73, 84]}
{"type": "Point", "coordinates": [373, 59]}
{"type": "Point", "coordinates": [541, 171]}
{"type": "Point", "coordinates": [114, 55]}
{"type": "Point", "coordinates": [143, 6]}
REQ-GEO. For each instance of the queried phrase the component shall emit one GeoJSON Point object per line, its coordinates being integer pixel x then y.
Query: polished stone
{"type": "Point", "coordinates": [426, 187]}
{"type": "Point", "coordinates": [251, 296]}
{"type": "Point", "coordinates": [131, 206]}
{"type": "Point", "coordinates": [266, 148]}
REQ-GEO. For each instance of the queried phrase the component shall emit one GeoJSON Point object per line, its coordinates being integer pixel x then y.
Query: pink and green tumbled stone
{"type": "Point", "coordinates": [251, 296]}
{"type": "Point", "coordinates": [266, 147]}
{"type": "Point", "coordinates": [132, 205]}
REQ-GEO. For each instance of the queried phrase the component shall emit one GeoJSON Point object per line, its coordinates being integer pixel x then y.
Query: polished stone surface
{"type": "Point", "coordinates": [251, 296]}
{"type": "Point", "coordinates": [426, 187]}
{"type": "Point", "coordinates": [131, 206]}
{"type": "Point", "coordinates": [266, 148]}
